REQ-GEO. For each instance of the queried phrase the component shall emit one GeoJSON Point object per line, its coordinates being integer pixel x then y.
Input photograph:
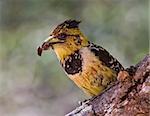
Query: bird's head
{"type": "Point", "coordinates": [65, 39]}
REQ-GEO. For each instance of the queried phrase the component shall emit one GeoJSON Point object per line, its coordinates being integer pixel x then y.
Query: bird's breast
{"type": "Point", "coordinates": [73, 63]}
{"type": "Point", "coordinates": [87, 71]}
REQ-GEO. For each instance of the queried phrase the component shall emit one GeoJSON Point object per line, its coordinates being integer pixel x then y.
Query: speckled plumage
{"type": "Point", "coordinates": [92, 74]}
{"type": "Point", "coordinates": [90, 66]}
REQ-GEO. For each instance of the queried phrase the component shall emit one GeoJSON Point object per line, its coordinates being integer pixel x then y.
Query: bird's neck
{"type": "Point", "coordinates": [64, 51]}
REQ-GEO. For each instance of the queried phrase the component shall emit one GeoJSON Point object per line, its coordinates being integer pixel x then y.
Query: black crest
{"type": "Point", "coordinates": [72, 23]}
{"type": "Point", "coordinates": [66, 24]}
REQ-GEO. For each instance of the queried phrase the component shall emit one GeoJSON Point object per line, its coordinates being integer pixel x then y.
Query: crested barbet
{"type": "Point", "coordinates": [89, 66]}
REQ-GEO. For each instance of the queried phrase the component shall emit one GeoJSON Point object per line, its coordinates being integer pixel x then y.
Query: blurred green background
{"type": "Point", "coordinates": [36, 86]}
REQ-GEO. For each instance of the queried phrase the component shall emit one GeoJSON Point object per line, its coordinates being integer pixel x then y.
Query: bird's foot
{"type": "Point", "coordinates": [83, 102]}
{"type": "Point", "coordinates": [131, 70]}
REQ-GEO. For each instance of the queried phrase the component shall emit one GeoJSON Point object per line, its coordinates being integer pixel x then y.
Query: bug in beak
{"type": "Point", "coordinates": [48, 43]}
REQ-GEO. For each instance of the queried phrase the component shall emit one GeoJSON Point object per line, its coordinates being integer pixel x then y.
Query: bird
{"type": "Point", "coordinates": [91, 67]}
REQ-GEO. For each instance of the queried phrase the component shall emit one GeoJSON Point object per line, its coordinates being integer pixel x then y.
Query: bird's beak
{"type": "Point", "coordinates": [49, 42]}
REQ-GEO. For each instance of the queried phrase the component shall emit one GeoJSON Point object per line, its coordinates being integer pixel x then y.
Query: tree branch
{"type": "Point", "coordinates": [129, 96]}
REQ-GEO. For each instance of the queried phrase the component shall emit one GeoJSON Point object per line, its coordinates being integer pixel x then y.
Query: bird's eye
{"type": "Point", "coordinates": [62, 36]}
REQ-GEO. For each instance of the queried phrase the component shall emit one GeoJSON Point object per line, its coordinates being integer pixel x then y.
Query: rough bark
{"type": "Point", "coordinates": [130, 96]}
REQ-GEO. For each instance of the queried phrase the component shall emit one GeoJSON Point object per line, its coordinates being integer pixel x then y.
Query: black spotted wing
{"type": "Point", "coordinates": [106, 58]}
